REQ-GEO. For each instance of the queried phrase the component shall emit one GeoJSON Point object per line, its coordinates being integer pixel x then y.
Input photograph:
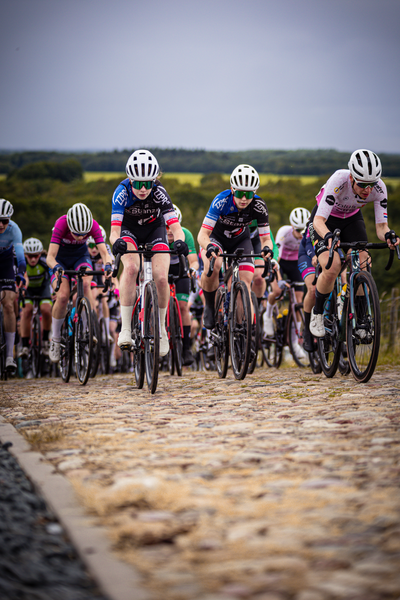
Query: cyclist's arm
{"type": "Point", "coordinates": [115, 233]}
{"type": "Point", "coordinates": [203, 237]}
{"type": "Point", "coordinates": [105, 257]}
{"type": "Point", "coordinates": [177, 231]}
{"type": "Point", "coordinates": [321, 228]}
{"type": "Point", "coordinates": [193, 262]}
{"type": "Point", "coordinates": [51, 258]}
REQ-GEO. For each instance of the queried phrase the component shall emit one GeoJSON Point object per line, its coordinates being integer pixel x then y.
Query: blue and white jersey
{"type": "Point", "coordinates": [224, 217]}
{"type": "Point", "coordinates": [10, 241]}
{"type": "Point", "coordinates": [155, 210]}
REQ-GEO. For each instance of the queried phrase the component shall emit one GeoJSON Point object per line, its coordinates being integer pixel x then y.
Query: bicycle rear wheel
{"type": "Point", "coordinates": [363, 328]}
{"type": "Point", "coordinates": [151, 336]}
{"type": "Point", "coordinates": [104, 347]}
{"type": "Point", "coordinates": [36, 346]}
{"type": "Point", "coordinates": [66, 349]}
{"type": "Point", "coordinates": [176, 341]}
{"type": "Point", "coordinates": [96, 345]}
{"type": "Point", "coordinates": [329, 345]}
{"type": "Point", "coordinates": [83, 341]}
{"type": "Point", "coordinates": [240, 330]}
{"type": "Point", "coordinates": [221, 332]}
{"type": "Point", "coordinates": [255, 335]}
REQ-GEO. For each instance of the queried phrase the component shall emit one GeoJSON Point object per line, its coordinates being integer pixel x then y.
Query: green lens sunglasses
{"type": "Point", "coordinates": [240, 194]}
{"type": "Point", "coordinates": [137, 185]}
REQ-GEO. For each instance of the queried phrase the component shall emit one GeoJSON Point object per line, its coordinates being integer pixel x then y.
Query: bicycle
{"type": "Point", "coordinates": [77, 330]}
{"type": "Point", "coordinates": [232, 333]}
{"type": "Point", "coordinates": [35, 358]}
{"type": "Point", "coordinates": [360, 322]}
{"type": "Point", "coordinates": [174, 323]}
{"type": "Point", "coordinates": [145, 324]}
{"type": "Point", "coordinates": [286, 329]}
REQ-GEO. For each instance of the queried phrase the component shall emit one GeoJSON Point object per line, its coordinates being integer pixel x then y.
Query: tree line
{"type": "Point", "coordinates": [280, 162]}
{"type": "Point", "coordinates": [39, 202]}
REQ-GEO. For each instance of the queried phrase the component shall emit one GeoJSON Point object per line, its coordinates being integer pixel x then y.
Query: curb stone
{"type": "Point", "coordinates": [116, 579]}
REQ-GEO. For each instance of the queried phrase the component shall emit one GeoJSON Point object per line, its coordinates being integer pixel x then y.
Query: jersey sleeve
{"type": "Point", "coordinates": [19, 249]}
{"type": "Point", "coordinates": [164, 203]}
{"type": "Point", "coordinates": [261, 212]}
{"type": "Point", "coordinates": [119, 202]}
{"type": "Point", "coordinates": [326, 197]}
{"type": "Point", "coordinates": [274, 246]}
{"type": "Point", "coordinates": [380, 203]}
{"type": "Point", "coordinates": [189, 239]}
{"type": "Point", "coordinates": [96, 234]}
{"type": "Point", "coordinates": [216, 210]}
{"type": "Point", "coordinates": [60, 229]}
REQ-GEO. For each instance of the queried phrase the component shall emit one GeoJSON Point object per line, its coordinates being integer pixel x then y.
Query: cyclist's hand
{"type": "Point", "coordinates": [314, 261]}
{"type": "Point", "coordinates": [181, 247]}
{"type": "Point", "coordinates": [20, 281]}
{"type": "Point", "coordinates": [274, 264]}
{"type": "Point", "coordinates": [267, 251]}
{"type": "Point", "coordinates": [58, 270]}
{"type": "Point", "coordinates": [389, 235]}
{"type": "Point", "coordinates": [212, 250]}
{"type": "Point", "coordinates": [108, 270]}
{"type": "Point", "coordinates": [119, 246]}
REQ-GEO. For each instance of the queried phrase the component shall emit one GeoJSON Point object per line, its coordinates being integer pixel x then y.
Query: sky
{"type": "Point", "coordinates": [210, 74]}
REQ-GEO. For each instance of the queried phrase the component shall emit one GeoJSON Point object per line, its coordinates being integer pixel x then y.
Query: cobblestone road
{"type": "Point", "coordinates": [282, 487]}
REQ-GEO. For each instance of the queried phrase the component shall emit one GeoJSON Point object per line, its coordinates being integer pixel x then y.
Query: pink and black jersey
{"type": "Point", "coordinates": [62, 235]}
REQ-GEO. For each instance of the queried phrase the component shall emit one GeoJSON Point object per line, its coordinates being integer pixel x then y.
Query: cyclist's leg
{"type": "Point", "coordinates": [58, 313]}
{"type": "Point", "coordinates": [127, 288]}
{"type": "Point", "coordinates": [182, 293]}
{"type": "Point", "coordinates": [307, 271]}
{"type": "Point", "coordinates": [259, 285]}
{"type": "Point", "coordinates": [25, 325]}
{"type": "Point", "coordinates": [10, 324]}
{"type": "Point", "coordinates": [210, 285]}
{"type": "Point", "coordinates": [160, 263]}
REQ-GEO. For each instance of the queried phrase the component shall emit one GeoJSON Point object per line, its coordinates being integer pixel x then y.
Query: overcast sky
{"type": "Point", "coordinates": [212, 74]}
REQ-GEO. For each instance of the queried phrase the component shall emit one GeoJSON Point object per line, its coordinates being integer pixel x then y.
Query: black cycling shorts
{"type": "Point", "coordinates": [352, 229]}
{"type": "Point", "coordinates": [144, 235]}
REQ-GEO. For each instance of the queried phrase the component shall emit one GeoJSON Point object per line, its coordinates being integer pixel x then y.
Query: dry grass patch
{"type": "Point", "coordinates": [42, 437]}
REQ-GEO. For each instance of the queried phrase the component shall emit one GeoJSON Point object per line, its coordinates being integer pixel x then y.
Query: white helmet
{"type": "Point", "coordinates": [142, 165]}
{"type": "Point", "coordinates": [246, 178]}
{"type": "Point", "coordinates": [33, 246]}
{"type": "Point", "coordinates": [103, 233]}
{"type": "Point", "coordinates": [298, 217]}
{"type": "Point", "coordinates": [6, 208]}
{"type": "Point", "coordinates": [79, 219]}
{"type": "Point", "coordinates": [365, 166]}
{"type": "Point", "coordinates": [178, 213]}
{"type": "Point", "coordinates": [90, 240]}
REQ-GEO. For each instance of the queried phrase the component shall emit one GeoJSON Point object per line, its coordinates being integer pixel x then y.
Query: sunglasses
{"type": "Point", "coordinates": [364, 186]}
{"type": "Point", "coordinates": [137, 185]}
{"type": "Point", "coordinates": [240, 194]}
{"type": "Point", "coordinates": [33, 255]}
{"type": "Point", "coordinates": [92, 245]}
{"type": "Point", "coordinates": [5, 221]}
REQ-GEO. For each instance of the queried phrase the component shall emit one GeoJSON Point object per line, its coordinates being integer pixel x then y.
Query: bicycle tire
{"type": "Point", "coordinates": [3, 349]}
{"type": "Point", "coordinates": [344, 365]}
{"type": "Point", "coordinates": [138, 347]}
{"type": "Point", "coordinates": [83, 341]}
{"type": "Point", "coordinates": [329, 345]}
{"type": "Point", "coordinates": [95, 363]}
{"type": "Point", "coordinates": [36, 346]}
{"type": "Point", "coordinates": [104, 347]}
{"type": "Point", "coordinates": [151, 336]}
{"type": "Point", "coordinates": [363, 352]}
{"type": "Point", "coordinates": [176, 339]}
{"type": "Point", "coordinates": [255, 336]}
{"type": "Point", "coordinates": [240, 330]}
{"type": "Point", "coordinates": [300, 362]}
{"type": "Point", "coordinates": [272, 347]}
{"type": "Point", "coordinates": [221, 349]}
{"type": "Point", "coordinates": [66, 349]}
{"type": "Point", "coordinates": [171, 357]}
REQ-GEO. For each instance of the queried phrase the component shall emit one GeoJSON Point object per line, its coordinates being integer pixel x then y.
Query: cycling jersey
{"type": "Point", "coordinates": [224, 219]}
{"type": "Point", "coordinates": [62, 236]}
{"type": "Point", "coordinates": [10, 242]}
{"type": "Point", "coordinates": [338, 199]}
{"type": "Point", "coordinates": [39, 274]}
{"type": "Point", "coordinates": [155, 210]}
{"type": "Point", "coordinates": [190, 242]}
{"type": "Point", "coordinates": [287, 243]}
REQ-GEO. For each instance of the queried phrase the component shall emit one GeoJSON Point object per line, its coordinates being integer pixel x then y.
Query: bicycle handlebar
{"type": "Point", "coordinates": [236, 255]}
{"type": "Point", "coordinates": [82, 272]}
{"type": "Point", "coordinates": [361, 246]}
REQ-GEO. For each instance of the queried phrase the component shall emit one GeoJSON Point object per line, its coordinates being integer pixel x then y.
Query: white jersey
{"type": "Point", "coordinates": [338, 199]}
{"type": "Point", "coordinates": [288, 245]}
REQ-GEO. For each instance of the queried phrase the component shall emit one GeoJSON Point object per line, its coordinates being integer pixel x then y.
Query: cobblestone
{"type": "Point", "coordinates": [282, 487]}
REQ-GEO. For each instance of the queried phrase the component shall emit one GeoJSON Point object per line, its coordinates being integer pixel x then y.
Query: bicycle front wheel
{"type": "Point", "coordinates": [329, 345]}
{"type": "Point", "coordinates": [138, 347]}
{"type": "Point", "coordinates": [151, 336]}
{"type": "Point", "coordinates": [240, 330]}
{"type": "Point", "coordinates": [221, 332]}
{"type": "Point", "coordinates": [176, 340]}
{"type": "Point", "coordinates": [363, 327]}
{"type": "Point", "coordinates": [36, 346]}
{"type": "Point", "coordinates": [83, 341]}
{"type": "Point", "coordinates": [66, 349]}
{"type": "Point", "coordinates": [104, 347]}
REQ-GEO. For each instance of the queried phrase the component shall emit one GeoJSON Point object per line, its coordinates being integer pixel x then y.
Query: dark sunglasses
{"type": "Point", "coordinates": [240, 194]}
{"type": "Point", "coordinates": [33, 255]}
{"type": "Point", "coordinates": [92, 245]}
{"type": "Point", "coordinates": [5, 221]}
{"type": "Point", "coordinates": [364, 186]}
{"type": "Point", "coordinates": [137, 185]}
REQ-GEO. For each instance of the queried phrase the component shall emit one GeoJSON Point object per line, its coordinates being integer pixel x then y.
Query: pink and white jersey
{"type": "Point", "coordinates": [62, 235]}
{"type": "Point", "coordinates": [337, 198]}
{"type": "Point", "coordinates": [288, 245]}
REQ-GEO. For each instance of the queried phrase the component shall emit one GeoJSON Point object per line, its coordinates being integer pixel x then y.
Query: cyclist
{"type": "Point", "coordinates": [338, 206]}
{"type": "Point", "coordinates": [307, 261]}
{"type": "Point", "coordinates": [98, 280]}
{"type": "Point", "coordinates": [226, 227]}
{"type": "Point", "coordinates": [38, 284]}
{"type": "Point", "coordinates": [288, 239]}
{"type": "Point", "coordinates": [141, 209]}
{"type": "Point", "coordinates": [10, 242]}
{"type": "Point", "coordinates": [183, 285]}
{"type": "Point", "coordinates": [259, 284]}
{"type": "Point", "coordinates": [68, 250]}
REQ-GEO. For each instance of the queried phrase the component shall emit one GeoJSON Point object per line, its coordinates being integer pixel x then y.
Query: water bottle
{"type": "Point", "coordinates": [340, 301]}
{"type": "Point", "coordinates": [327, 305]}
